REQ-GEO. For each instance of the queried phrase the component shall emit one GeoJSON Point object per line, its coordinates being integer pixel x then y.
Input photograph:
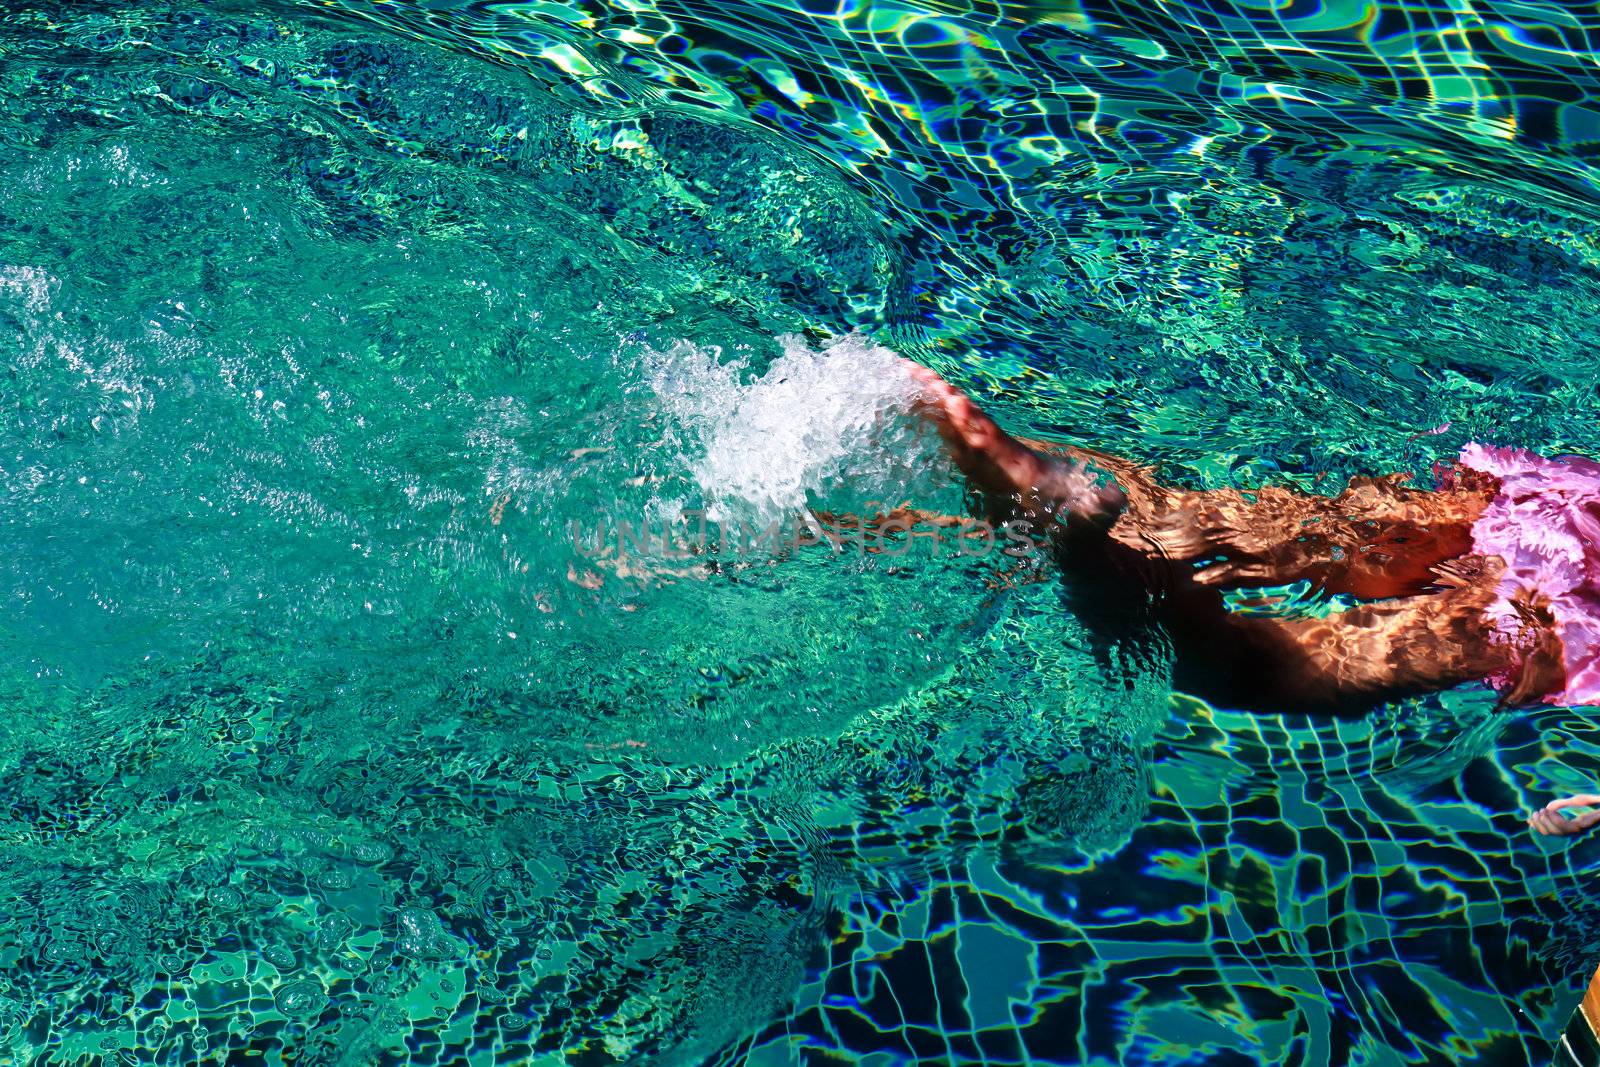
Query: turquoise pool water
{"type": "Point", "coordinates": [326, 738]}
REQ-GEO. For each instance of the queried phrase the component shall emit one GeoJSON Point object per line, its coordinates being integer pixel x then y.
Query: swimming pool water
{"type": "Point", "coordinates": [326, 739]}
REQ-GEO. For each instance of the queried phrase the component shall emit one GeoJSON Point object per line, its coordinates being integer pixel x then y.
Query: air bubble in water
{"type": "Point", "coordinates": [301, 998]}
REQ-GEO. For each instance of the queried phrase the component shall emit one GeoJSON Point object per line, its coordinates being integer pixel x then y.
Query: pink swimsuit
{"type": "Point", "coordinates": [1545, 523]}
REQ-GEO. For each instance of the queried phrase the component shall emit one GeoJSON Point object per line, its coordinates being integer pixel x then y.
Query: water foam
{"type": "Point", "coordinates": [814, 423]}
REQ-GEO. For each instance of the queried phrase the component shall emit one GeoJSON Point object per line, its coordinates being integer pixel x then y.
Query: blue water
{"type": "Point", "coordinates": [325, 738]}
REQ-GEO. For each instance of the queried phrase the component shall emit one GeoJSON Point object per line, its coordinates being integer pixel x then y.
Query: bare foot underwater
{"type": "Point", "coordinates": [1490, 578]}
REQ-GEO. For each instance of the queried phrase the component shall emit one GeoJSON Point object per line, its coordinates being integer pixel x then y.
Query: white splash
{"type": "Point", "coordinates": [815, 421]}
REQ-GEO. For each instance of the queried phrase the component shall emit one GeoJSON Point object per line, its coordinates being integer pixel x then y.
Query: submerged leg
{"type": "Point", "coordinates": [1019, 481]}
{"type": "Point", "coordinates": [1351, 659]}
{"type": "Point", "coordinates": [1379, 538]}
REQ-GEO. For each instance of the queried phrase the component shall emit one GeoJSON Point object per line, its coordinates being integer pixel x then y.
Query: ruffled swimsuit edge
{"type": "Point", "coordinates": [1545, 524]}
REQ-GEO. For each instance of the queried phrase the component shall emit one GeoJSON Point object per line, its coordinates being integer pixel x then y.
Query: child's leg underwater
{"type": "Point", "coordinates": [1380, 540]}
{"type": "Point", "coordinates": [1347, 660]}
{"type": "Point", "coordinates": [1019, 481]}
